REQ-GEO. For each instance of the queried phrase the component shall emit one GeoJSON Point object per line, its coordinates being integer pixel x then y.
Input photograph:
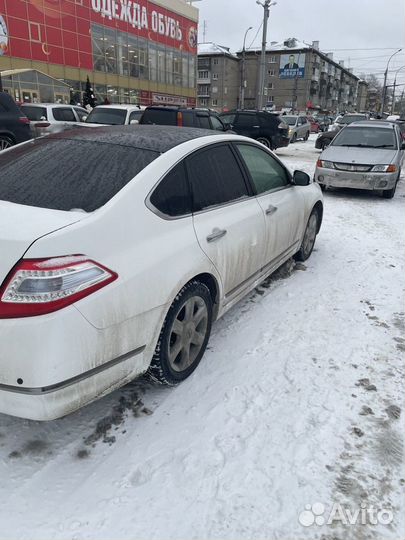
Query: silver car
{"type": "Point", "coordinates": [52, 117]}
{"type": "Point", "coordinates": [298, 127]}
{"type": "Point", "coordinates": [364, 155]}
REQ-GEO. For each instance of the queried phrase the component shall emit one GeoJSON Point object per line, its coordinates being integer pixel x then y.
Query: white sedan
{"type": "Point", "coordinates": [120, 246]}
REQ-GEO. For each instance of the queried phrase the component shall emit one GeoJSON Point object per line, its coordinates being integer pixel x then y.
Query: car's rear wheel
{"type": "Point", "coordinates": [265, 141]}
{"type": "Point", "coordinates": [5, 142]}
{"type": "Point", "coordinates": [184, 335]}
{"type": "Point", "coordinates": [308, 241]}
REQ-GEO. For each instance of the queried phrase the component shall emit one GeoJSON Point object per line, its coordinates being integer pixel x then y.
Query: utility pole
{"type": "Point", "coordinates": [262, 73]}
{"type": "Point", "coordinates": [243, 76]}
{"type": "Point", "coordinates": [384, 94]}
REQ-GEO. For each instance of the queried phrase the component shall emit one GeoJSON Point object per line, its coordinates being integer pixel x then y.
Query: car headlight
{"type": "Point", "coordinates": [384, 168]}
{"type": "Point", "coordinates": [325, 164]}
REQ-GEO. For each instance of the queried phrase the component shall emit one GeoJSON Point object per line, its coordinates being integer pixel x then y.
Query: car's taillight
{"type": "Point", "coordinates": [180, 119]}
{"type": "Point", "coordinates": [23, 120]}
{"type": "Point", "coordinates": [39, 286]}
{"type": "Point", "coordinates": [319, 163]}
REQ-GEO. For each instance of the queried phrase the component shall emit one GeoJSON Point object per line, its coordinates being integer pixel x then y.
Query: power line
{"type": "Point", "coordinates": [257, 33]}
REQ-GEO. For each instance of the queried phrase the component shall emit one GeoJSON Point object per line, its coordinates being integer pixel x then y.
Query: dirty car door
{"type": "Point", "coordinates": [228, 223]}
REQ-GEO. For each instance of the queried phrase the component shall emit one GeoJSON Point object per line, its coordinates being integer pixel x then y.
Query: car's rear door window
{"type": "Point", "coordinates": [35, 114]}
{"type": "Point", "coordinates": [204, 122]}
{"type": "Point", "coordinates": [215, 177]}
{"type": "Point", "coordinates": [266, 172]}
{"type": "Point", "coordinates": [217, 124]}
{"type": "Point", "coordinates": [160, 117]}
{"type": "Point", "coordinates": [67, 174]}
{"type": "Point", "coordinates": [172, 195]}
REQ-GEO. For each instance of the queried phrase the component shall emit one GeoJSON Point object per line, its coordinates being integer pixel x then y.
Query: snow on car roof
{"type": "Point", "coordinates": [149, 137]}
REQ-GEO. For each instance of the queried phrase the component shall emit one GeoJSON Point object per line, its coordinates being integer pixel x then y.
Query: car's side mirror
{"type": "Point", "coordinates": [301, 178]}
{"type": "Point", "coordinates": [134, 122]}
{"type": "Point", "coordinates": [42, 118]}
{"type": "Point", "coordinates": [83, 118]}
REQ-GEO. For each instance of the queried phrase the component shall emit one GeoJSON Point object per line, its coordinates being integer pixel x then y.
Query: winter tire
{"type": "Point", "coordinates": [294, 138]}
{"type": "Point", "coordinates": [389, 193]}
{"type": "Point", "coordinates": [184, 335]}
{"type": "Point", "coordinates": [5, 142]}
{"type": "Point", "coordinates": [308, 241]}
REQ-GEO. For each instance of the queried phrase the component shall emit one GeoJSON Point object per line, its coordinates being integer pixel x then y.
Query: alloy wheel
{"type": "Point", "coordinates": [4, 143]}
{"type": "Point", "coordinates": [310, 234]}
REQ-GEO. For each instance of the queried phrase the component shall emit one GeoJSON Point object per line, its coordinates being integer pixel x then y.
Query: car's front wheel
{"type": "Point", "coordinates": [5, 142]}
{"type": "Point", "coordinates": [308, 241]}
{"type": "Point", "coordinates": [184, 335]}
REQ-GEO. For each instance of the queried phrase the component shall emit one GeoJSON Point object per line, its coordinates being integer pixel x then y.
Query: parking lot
{"type": "Point", "coordinates": [298, 400]}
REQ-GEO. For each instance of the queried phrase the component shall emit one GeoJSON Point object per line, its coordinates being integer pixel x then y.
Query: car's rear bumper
{"type": "Point", "coordinates": [355, 180]}
{"type": "Point", "coordinates": [282, 141]}
{"type": "Point", "coordinates": [53, 364]}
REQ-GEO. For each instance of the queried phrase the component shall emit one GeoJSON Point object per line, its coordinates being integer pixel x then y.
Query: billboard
{"type": "Point", "coordinates": [59, 31]}
{"type": "Point", "coordinates": [292, 66]}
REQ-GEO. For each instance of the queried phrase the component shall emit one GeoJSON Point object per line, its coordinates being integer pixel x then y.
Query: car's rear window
{"type": "Point", "coordinates": [67, 174]}
{"type": "Point", "coordinates": [111, 116]}
{"type": "Point", "coordinates": [160, 117]}
{"type": "Point", "coordinates": [34, 114]}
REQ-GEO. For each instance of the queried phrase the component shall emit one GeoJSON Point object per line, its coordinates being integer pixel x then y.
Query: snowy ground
{"type": "Point", "coordinates": [299, 400]}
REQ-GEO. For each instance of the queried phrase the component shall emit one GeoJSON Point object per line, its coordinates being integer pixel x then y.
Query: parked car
{"type": "Point", "coordinates": [265, 127]}
{"type": "Point", "coordinates": [346, 119]}
{"type": "Point", "coordinates": [323, 120]}
{"type": "Point", "coordinates": [110, 267]}
{"type": "Point", "coordinates": [365, 155]}
{"type": "Point", "coordinates": [114, 115]}
{"type": "Point", "coordinates": [324, 139]}
{"type": "Point", "coordinates": [299, 127]}
{"type": "Point", "coordinates": [315, 125]}
{"type": "Point", "coordinates": [183, 117]}
{"type": "Point", "coordinates": [48, 118]}
{"type": "Point", "coordinates": [14, 125]}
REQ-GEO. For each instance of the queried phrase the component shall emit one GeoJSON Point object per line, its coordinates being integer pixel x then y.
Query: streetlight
{"type": "Point", "coordinates": [242, 77]}
{"type": "Point", "coordinates": [262, 74]}
{"type": "Point", "coordinates": [385, 81]}
{"type": "Point", "coordinates": [393, 90]}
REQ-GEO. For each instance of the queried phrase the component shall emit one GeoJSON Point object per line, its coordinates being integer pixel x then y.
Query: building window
{"type": "Point", "coordinates": [214, 89]}
{"type": "Point", "coordinates": [215, 61]}
{"type": "Point", "coordinates": [270, 98]}
{"type": "Point", "coordinates": [272, 60]}
{"type": "Point", "coordinates": [225, 89]}
{"type": "Point", "coordinates": [203, 90]}
{"type": "Point", "coordinates": [204, 102]}
{"type": "Point", "coordinates": [203, 74]}
{"type": "Point", "coordinates": [215, 76]}
{"type": "Point", "coordinates": [271, 72]}
{"type": "Point", "coordinates": [214, 102]}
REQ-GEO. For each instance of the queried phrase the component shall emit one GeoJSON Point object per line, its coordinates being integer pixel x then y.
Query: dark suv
{"type": "Point", "coordinates": [14, 125]}
{"type": "Point", "coordinates": [265, 127]}
{"type": "Point", "coordinates": [178, 116]}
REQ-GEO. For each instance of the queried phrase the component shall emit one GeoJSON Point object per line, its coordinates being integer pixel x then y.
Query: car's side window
{"type": "Point", "coordinates": [216, 124]}
{"type": "Point", "coordinates": [215, 177]}
{"type": "Point", "coordinates": [245, 120]}
{"type": "Point", "coordinates": [266, 172]}
{"type": "Point", "coordinates": [63, 114]}
{"type": "Point", "coordinates": [135, 115]}
{"type": "Point", "coordinates": [228, 118]}
{"type": "Point", "coordinates": [172, 194]}
{"type": "Point", "coordinates": [80, 113]}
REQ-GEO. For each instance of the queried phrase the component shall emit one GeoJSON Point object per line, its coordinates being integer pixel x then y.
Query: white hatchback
{"type": "Point", "coordinates": [120, 247]}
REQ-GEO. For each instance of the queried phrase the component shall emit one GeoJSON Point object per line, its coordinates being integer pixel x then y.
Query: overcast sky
{"type": "Point", "coordinates": [377, 26]}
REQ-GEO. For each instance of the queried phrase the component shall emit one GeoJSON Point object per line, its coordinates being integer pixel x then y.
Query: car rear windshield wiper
{"type": "Point", "coordinates": [360, 145]}
{"type": "Point", "coordinates": [384, 146]}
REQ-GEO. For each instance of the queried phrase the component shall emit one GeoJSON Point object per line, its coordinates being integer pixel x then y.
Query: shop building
{"type": "Point", "coordinates": [133, 52]}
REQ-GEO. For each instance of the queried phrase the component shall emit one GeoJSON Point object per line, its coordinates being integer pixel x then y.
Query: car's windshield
{"type": "Point", "coordinates": [67, 174]}
{"type": "Point", "coordinates": [114, 117]}
{"type": "Point", "coordinates": [366, 137]}
{"type": "Point", "coordinates": [350, 118]}
{"type": "Point", "coordinates": [290, 120]}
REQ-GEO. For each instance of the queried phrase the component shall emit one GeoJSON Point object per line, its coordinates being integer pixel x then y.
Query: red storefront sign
{"type": "Point", "coordinates": [59, 31]}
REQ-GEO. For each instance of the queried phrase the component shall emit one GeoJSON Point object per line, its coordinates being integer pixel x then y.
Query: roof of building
{"type": "Point", "coordinates": [211, 48]}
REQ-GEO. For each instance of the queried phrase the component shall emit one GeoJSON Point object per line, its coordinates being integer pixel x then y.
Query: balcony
{"type": "Point", "coordinates": [204, 80]}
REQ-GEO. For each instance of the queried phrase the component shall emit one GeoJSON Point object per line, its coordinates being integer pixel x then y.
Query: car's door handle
{"type": "Point", "coordinates": [256, 126]}
{"type": "Point", "coordinates": [216, 234]}
{"type": "Point", "coordinates": [271, 209]}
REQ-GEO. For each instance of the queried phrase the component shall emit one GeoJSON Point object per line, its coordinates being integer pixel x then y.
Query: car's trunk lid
{"type": "Point", "coordinates": [21, 225]}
